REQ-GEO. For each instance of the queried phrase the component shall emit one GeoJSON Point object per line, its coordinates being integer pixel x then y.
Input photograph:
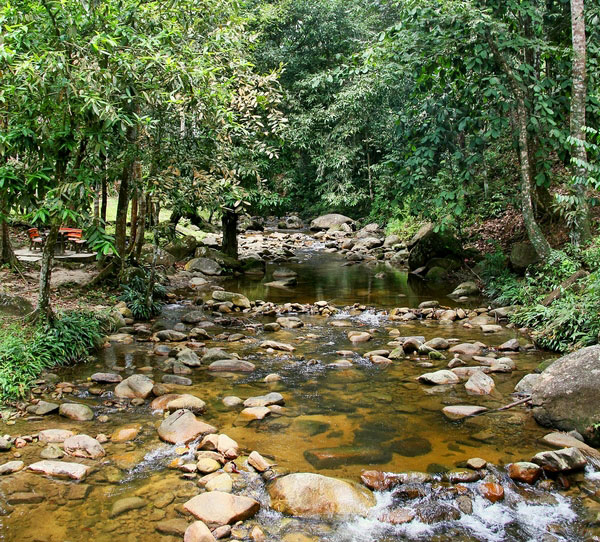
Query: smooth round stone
{"type": "Point", "coordinates": [206, 465]}
{"type": "Point", "coordinates": [76, 411]}
{"type": "Point", "coordinates": [232, 401]}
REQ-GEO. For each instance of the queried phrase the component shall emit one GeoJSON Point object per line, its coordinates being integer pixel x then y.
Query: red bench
{"type": "Point", "coordinates": [35, 239]}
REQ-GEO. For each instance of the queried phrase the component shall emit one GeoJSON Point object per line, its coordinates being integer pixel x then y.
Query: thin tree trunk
{"type": "Point", "coordinates": [121, 220]}
{"type": "Point", "coordinates": [581, 228]}
{"type": "Point", "coordinates": [96, 210]}
{"type": "Point", "coordinates": [103, 196]}
{"type": "Point", "coordinates": [134, 217]}
{"type": "Point", "coordinates": [43, 309]}
{"type": "Point", "coordinates": [229, 221]}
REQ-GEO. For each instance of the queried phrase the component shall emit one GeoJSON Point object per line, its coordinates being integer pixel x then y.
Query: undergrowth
{"type": "Point", "coordinates": [569, 322]}
{"type": "Point", "coordinates": [27, 351]}
{"type": "Point", "coordinates": [135, 295]}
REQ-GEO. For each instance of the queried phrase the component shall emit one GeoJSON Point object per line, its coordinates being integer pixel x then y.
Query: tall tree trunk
{"type": "Point", "coordinates": [229, 221]}
{"type": "Point", "coordinates": [134, 217]}
{"type": "Point", "coordinates": [103, 196]}
{"type": "Point", "coordinates": [539, 242]}
{"type": "Point", "coordinates": [581, 228]}
{"type": "Point", "coordinates": [44, 310]}
{"type": "Point", "coordinates": [141, 227]}
{"type": "Point", "coordinates": [123, 201]}
{"type": "Point", "coordinates": [7, 254]}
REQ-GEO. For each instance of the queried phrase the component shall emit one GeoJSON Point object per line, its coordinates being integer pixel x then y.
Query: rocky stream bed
{"type": "Point", "coordinates": [309, 401]}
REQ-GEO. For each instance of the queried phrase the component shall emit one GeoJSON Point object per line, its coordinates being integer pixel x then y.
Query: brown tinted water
{"type": "Point", "coordinates": [369, 416]}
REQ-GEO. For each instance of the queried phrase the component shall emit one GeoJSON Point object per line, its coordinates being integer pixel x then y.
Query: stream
{"type": "Point", "coordinates": [336, 422]}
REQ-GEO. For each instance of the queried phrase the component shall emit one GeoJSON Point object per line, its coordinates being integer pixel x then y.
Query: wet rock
{"type": "Point", "coordinates": [277, 346]}
{"type": "Point", "coordinates": [379, 480]}
{"type": "Point", "coordinates": [60, 469]}
{"type": "Point", "coordinates": [136, 386]}
{"type": "Point", "coordinates": [566, 395]}
{"type": "Point", "coordinates": [232, 401]}
{"type": "Point", "coordinates": [215, 354]}
{"type": "Point", "coordinates": [41, 408]}
{"type": "Point", "coordinates": [468, 288]}
{"type": "Point", "coordinates": [84, 446]}
{"type": "Point", "coordinates": [330, 221]}
{"type": "Point", "coordinates": [11, 467]}
{"type": "Point", "coordinates": [272, 377]}
{"type": "Point", "coordinates": [460, 476]}
{"type": "Point", "coordinates": [205, 266]}
{"type": "Point", "coordinates": [126, 433]}
{"type": "Point", "coordinates": [177, 380]}
{"type": "Point", "coordinates": [206, 465]}
{"type": "Point", "coordinates": [480, 384]}
{"type": "Point", "coordinates": [176, 401]}
{"type": "Point", "coordinates": [125, 505]}
{"type": "Point", "coordinates": [188, 357]}
{"type": "Point", "coordinates": [502, 365]}
{"type": "Point", "coordinates": [218, 508]}
{"type": "Point", "coordinates": [465, 504]}
{"type": "Point", "coordinates": [491, 491]}
{"type": "Point", "coordinates": [359, 336]}
{"type": "Point", "coordinates": [290, 322]}
{"type": "Point", "coordinates": [491, 328]}
{"type": "Point", "coordinates": [438, 343]}
{"type": "Point", "coordinates": [182, 427]}
{"type": "Point", "coordinates": [476, 463]}
{"type": "Point", "coordinates": [273, 398]}
{"type": "Point", "coordinates": [437, 513]}
{"type": "Point", "coordinates": [171, 335]}
{"type": "Point", "coordinates": [442, 377]}
{"type": "Point", "coordinates": [238, 300]}
{"type": "Point", "coordinates": [567, 459]}
{"type": "Point", "coordinates": [52, 451]}
{"type": "Point", "coordinates": [174, 527]}
{"type": "Point", "coordinates": [25, 497]}
{"type": "Point", "coordinates": [258, 462]}
{"type": "Point", "coordinates": [76, 411]}
{"type": "Point", "coordinates": [254, 413]}
{"type": "Point", "coordinates": [221, 482]}
{"type": "Point", "coordinates": [512, 345]}
{"type": "Point", "coordinates": [232, 366]}
{"type": "Point", "coordinates": [272, 326]}
{"type": "Point", "coordinates": [397, 516]}
{"type": "Point", "coordinates": [198, 532]}
{"type": "Point", "coordinates": [527, 383]}
{"type": "Point", "coordinates": [330, 458]}
{"type": "Point", "coordinates": [340, 364]}
{"type": "Point", "coordinates": [54, 435]}
{"type": "Point", "coordinates": [467, 349]}
{"type": "Point", "coordinates": [458, 412]}
{"type": "Point", "coordinates": [5, 445]}
{"type": "Point", "coordinates": [411, 446]}
{"type": "Point", "coordinates": [306, 495]}
{"type": "Point", "coordinates": [523, 471]}
{"type": "Point", "coordinates": [106, 378]}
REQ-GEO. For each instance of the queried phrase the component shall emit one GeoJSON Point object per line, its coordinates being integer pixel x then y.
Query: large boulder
{"type": "Point", "coordinates": [136, 386]}
{"type": "Point", "coordinates": [428, 244]}
{"type": "Point", "coordinates": [182, 247]}
{"type": "Point", "coordinates": [163, 258]}
{"type": "Point", "coordinates": [522, 255]}
{"type": "Point", "coordinates": [307, 494]}
{"type": "Point", "coordinates": [238, 300]}
{"type": "Point", "coordinates": [566, 394]}
{"type": "Point", "coordinates": [204, 265]}
{"type": "Point", "coordinates": [327, 222]}
{"type": "Point", "coordinates": [221, 258]}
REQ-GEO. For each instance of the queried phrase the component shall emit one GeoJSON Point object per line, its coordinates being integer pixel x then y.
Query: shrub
{"type": "Point", "coordinates": [135, 297]}
{"type": "Point", "coordinates": [26, 352]}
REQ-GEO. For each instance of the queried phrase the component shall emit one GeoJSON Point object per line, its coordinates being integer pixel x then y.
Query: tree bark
{"type": "Point", "coordinates": [229, 221]}
{"type": "Point", "coordinates": [581, 228]}
{"type": "Point", "coordinates": [141, 227]}
{"type": "Point", "coordinates": [121, 219]}
{"type": "Point", "coordinates": [43, 309]}
{"type": "Point", "coordinates": [103, 196]}
{"type": "Point", "coordinates": [134, 218]}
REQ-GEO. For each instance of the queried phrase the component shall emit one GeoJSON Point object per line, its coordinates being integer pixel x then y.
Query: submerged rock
{"type": "Point", "coordinates": [331, 458]}
{"type": "Point", "coordinates": [306, 495]}
{"type": "Point", "coordinates": [458, 412]}
{"type": "Point", "coordinates": [84, 446]}
{"type": "Point", "coordinates": [273, 398]}
{"type": "Point", "coordinates": [60, 469]}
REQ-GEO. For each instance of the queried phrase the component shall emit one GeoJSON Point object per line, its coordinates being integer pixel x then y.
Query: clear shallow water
{"type": "Point", "coordinates": [369, 416]}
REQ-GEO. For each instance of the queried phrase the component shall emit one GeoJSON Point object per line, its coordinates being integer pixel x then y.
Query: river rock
{"type": "Point", "coordinates": [83, 446]}
{"type": "Point", "coordinates": [171, 335]}
{"type": "Point", "coordinates": [428, 243]}
{"type": "Point", "coordinates": [492, 491]}
{"type": "Point", "coordinates": [527, 383]}
{"type": "Point", "coordinates": [255, 413]}
{"type": "Point", "coordinates": [11, 467]}
{"type": "Point", "coordinates": [76, 411]}
{"type": "Point", "coordinates": [232, 401]}
{"type": "Point", "coordinates": [176, 401]}
{"type": "Point", "coordinates": [198, 532]}
{"type": "Point", "coordinates": [177, 380]}
{"type": "Point", "coordinates": [277, 346]}
{"type": "Point", "coordinates": [258, 462]}
{"type": "Point", "coordinates": [273, 398]}
{"type": "Point", "coordinates": [54, 435]}
{"type": "Point", "coordinates": [60, 469]}
{"type": "Point", "coordinates": [41, 408]}
{"type": "Point", "coordinates": [563, 460]}
{"type": "Point", "coordinates": [438, 343]}
{"type": "Point", "coordinates": [173, 527]}
{"type": "Point", "coordinates": [215, 354]}
{"type": "Point", "coordinates": [290, 322]}
{"type": "Point", "coordinates": [136, 386]}
{"type": "Point", "coordinates": [219, 508]}
{"type": "Point", "coordinates": [326, 222]}
{"type": "Point", "coordinates": [566, 394]}
{"type": "Point", "coordinates": [512, 345]}
{"type": "Point", "coordinates": [441, 377]}
{"type": "Point", "coordinates": [523, 471]}
{"type": "Point", "coordinates": [182, 427]}
{"type": "Point", "coordinates": [331, 458]}
{"type": "Point", "coordinates": [458, 412]}
{"type": "Point", "coordinates": [468, 288]}
{"type": "Point", "coordinates": [188, 357]}
{"type": "Point", "coordinates": [231, 366]}
{"type": "Point", "coordinates": [522, 255]}
{"type": "Point", "coordinates": [238, 300]}
{"type": "Point", "coordinates": [204, 265]}
{"type": "Point", "coordinates": [126, 433]}
{"type": "Point", "coordinates": [126, 505]}
{"type": "Point", "coordinates": [467, 349]}
{"type": "Point", "coordinates": [206, 465]}
{"type": "Point", "coordinates": [480, 384]}
{"type": "Point", "coordinates": [220, 482]}
{"type": "Point", "coordinates": [359, 336]}
{"type": "Point", "coordinates": [307, 495]}
{"type": "Point", "coordinates": [106, 378]}
{"type": "Point", "coordinates": [52, 451]}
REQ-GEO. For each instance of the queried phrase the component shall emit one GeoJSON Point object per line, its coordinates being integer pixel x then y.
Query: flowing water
{"type": "Point", "coordinates": [366, 416]}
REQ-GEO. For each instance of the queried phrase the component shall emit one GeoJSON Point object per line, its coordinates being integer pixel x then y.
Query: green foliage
{"type": "Point", "coordinates": [145, 300]}
{"type": "Point", "coordinates": [25, 353]}
{"type": "Point", "coordinates": [404, 226]}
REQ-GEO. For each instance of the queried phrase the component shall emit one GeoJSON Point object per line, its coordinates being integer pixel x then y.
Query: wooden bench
{"type": "Point", "coordinates": [75, 237]}
{"type": "Point", "coordinates": [35, 239]}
